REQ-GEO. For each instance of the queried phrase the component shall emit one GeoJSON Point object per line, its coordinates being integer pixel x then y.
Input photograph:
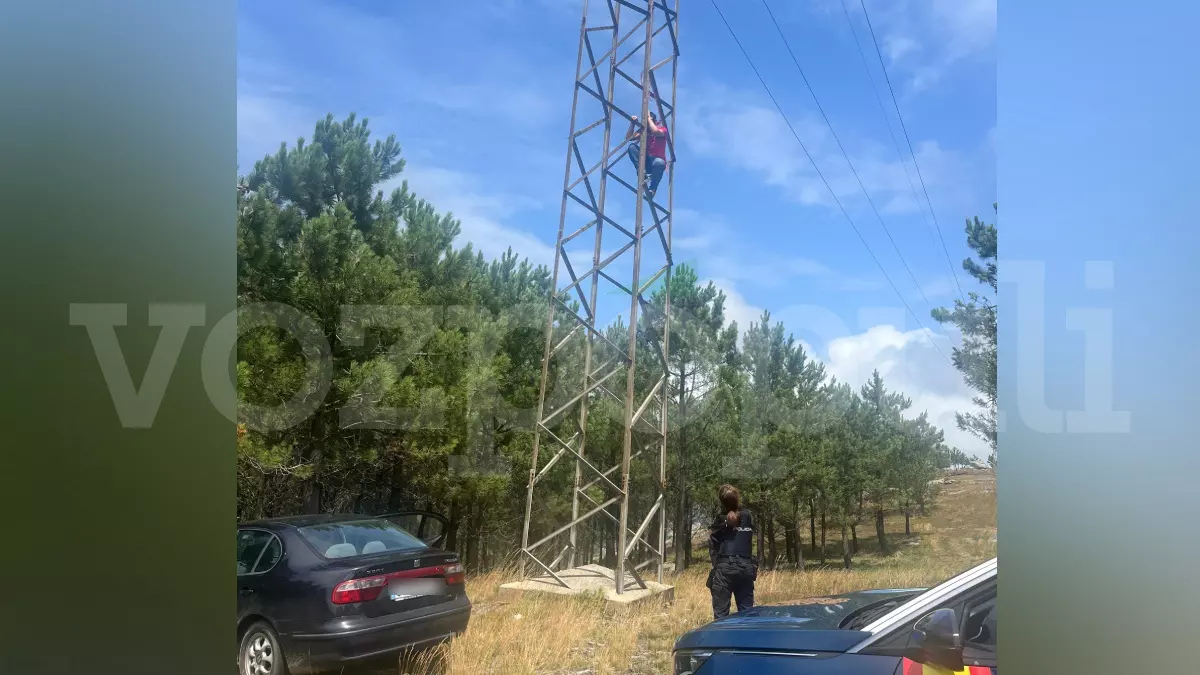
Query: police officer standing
{"type": "Point", "coordinates": [734, 567]}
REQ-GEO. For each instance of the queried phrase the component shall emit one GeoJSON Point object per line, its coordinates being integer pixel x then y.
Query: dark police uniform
{"type": "Point", "coordinates": [734, 567]}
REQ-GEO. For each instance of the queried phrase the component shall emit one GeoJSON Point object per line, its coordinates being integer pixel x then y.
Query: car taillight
{"type": "Point", "coordinates": [455, 574]}
{"type": "Point", "coordinates": [359, 590]}
{"type": "Point", "coordinates": [370, 588]}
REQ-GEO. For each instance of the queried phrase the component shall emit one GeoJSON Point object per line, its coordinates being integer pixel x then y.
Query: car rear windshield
{"type": "Point", "coordinates": [349, 539]}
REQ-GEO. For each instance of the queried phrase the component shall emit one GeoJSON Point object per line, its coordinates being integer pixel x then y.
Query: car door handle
{"type": "Point", "coordinates": [243, 592]}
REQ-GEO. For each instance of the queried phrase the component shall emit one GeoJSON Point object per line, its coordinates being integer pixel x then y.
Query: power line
{"type": "Point", "coordinates": [849, 163]}
{"type": "Point", "coordinates": [823, 179]}
{"type": "Point", "coordinates": [895, 141]}
{"type": "Point", "coordinates": [904, 127]}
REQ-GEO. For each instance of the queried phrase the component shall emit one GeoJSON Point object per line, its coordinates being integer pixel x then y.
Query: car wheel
{"type": "Point", "coordinates": [259, 652]}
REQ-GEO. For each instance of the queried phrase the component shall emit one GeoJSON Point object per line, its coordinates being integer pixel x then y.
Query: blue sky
{"type": "Point", "coordinates": [479, 95]}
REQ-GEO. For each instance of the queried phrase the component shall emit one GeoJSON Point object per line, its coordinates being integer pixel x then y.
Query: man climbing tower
{"type": "Point", "coordinates": [656, 151]}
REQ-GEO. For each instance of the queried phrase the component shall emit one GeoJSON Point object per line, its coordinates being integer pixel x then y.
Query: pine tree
{"type": "Point", "coordinates": [699, 345]}
{"type": "Point", "coordinates": [976, 320]}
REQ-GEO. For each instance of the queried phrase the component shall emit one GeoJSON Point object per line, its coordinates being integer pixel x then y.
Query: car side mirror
{"type": "Point", "coordinates": [936, 640]}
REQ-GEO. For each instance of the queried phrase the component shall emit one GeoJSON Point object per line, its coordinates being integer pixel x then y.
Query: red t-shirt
{"type": "Point", "coordinates": [656, 144]}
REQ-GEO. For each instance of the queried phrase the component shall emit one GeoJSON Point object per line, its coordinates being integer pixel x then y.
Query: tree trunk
{"type": "Point", "coordinates": [472, 556]}
{"type": "Point", "coordinates": [812, 524]}
{"type": "Point", "coordinates": [791, 531]}
{"type": "Point", "coordinates": [312, 499]}
{"type": "Point", "coordinates": [771, 554]}
{"type": "Point", "coordinates": [879, 532]}
{"type": "Point", "coordinates": [846, 554]}
{"type": "Point", "coordinates": [858, 514]}
{"type": "Point", "coordinates": [397, 488]}
{"type": "Point", "coordinates": [610, 545]}
{"type": "Point", "coordinates": [603, 543]}
{"type": "Point", "coordinates": [312, 495]}
{"type": "Point", "coordinates": [762, 558]}
{"type": "Point", "coordinates": [260, 499]}
{"type": "Point", "coordinates": [614, 544]}
{"type": "Point", "coordinates": [682, 522]}
{"type": "Point", "coordinates": [824, 513]}
{"type": "Point", "coordinates": [799, 544]}
{"type": "Point", "coordinates": [907, 520]}
{"type": "Point", "coordinates": [362, 494]}
{"type": "Point", "coordinates": [687, 532]}
{"type": "Point", "coordinates": [452, 527]}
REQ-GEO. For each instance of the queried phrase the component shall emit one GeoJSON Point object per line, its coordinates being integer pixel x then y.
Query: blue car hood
{"type": "Point", "coordinates": [811, 626]}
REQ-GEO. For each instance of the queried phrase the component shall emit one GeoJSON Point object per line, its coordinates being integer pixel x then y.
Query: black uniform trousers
{"type": "Point", "coordinates": [732, 576]}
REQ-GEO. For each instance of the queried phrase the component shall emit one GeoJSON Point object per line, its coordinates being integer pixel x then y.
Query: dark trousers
{"type": "Point", "coordinates": [655, 166]}
{"type": "Point", "coordinates": [732, 576]}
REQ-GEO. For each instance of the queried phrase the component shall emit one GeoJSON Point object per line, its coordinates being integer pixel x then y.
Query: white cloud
{"type": "Point", "coordinates": [720, 253]}
{"type": "Point", "coordinates": [264, 121]}
{"type": "Point", "coordinates": [371, 48]}
{"type": "Point", "coordinates": [742, 130]}
{"type": "Point", "coordinates": [910, 364]}
{"type": "Point", "coordinates": [896, 46]}
{"type": "Point", "coordinates": [925, 39]}
{"type": "Point", "coordinates": [970, 24]}
{"type": "Point", "coordinates": [696, 232]}
{"type": "Point", "coordinates": [909, 361]}
{"type": "Point", "coordinates": [526, 104]}
{"type": "Point", "coordinates": [482, 213]}
{"type": "Point", "coordinates": [737, 308]}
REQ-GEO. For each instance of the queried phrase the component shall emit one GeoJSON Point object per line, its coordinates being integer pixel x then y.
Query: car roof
{"type": "Point", "coordinates": [305, 520]}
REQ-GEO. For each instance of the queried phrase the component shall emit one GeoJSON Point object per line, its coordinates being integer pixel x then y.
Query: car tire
{"type": "Point", "coordinates": [259, 652]}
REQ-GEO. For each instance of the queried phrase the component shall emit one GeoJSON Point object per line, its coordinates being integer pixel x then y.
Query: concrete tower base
{"type": "Point", "coordinates": [591, 579]}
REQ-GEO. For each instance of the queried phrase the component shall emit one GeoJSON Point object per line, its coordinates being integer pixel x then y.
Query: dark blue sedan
{"type": "Point", "coordinates": [950, 628]}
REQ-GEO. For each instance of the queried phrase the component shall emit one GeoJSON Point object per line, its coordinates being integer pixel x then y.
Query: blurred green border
{"type": "Point", "coordinates": [117, 168]}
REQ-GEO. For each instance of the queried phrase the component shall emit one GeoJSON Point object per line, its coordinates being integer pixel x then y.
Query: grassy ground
{"type": "Point", "coordinates": [577, 636]}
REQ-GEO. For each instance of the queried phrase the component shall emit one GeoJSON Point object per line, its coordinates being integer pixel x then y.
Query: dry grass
{"type": "Point", "coordinates": [554, 635]}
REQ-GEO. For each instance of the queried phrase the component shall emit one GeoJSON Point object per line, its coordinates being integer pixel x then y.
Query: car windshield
{"type": "Point", "coordinates": [369, 536]}
{"type": "Point", "coordinates": [869, 614]}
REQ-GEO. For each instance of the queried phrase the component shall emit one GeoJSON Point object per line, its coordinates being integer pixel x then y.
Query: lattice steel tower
{"type": "Point", "coordinates": [631, 260]}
